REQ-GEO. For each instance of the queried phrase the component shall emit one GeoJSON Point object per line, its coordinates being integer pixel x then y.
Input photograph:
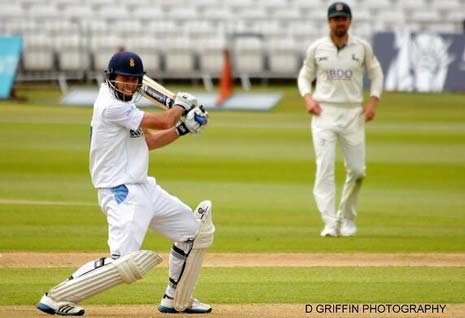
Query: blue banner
{"type": "Point", "coordinates": [421, 61]}
{"type": "Point", "coordinates": [10, 53]}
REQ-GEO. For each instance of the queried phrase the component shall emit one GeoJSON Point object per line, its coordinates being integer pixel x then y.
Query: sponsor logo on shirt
{"type": "Point", "coordinates": [339, 74]}
{"type": "Point", "coordinates": [355, 58]}
{"type": "Point", "coordinates": [136, 133]}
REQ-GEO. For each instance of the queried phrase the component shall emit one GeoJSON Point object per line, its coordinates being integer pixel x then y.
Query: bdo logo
{"type": "Point", "coordinates": [338, 74]}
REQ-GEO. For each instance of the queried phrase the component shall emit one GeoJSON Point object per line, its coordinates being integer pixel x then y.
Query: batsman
{"type": "Point", "coordinates": [121, 136]}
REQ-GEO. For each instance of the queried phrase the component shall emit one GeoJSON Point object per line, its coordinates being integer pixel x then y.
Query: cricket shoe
{"type": "Point", "coordinates": [195, 307]}
{"type": "Point", "coordinates": [348, 228]}
{"type": "Point", "coordinates": [329, 231]}
{"type": "Point", "coordinates": [64, 308]}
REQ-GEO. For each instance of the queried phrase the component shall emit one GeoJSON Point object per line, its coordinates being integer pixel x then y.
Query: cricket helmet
{"type": "Point", "coordinates": [124, 63]}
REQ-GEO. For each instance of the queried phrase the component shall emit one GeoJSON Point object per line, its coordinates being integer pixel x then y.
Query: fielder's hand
{"type": "Point", "coordinates": [186, 101]}
{"type": "Point", "coordinates": [370, 109]}
{"type": "Point", "coordinates": [195, 121]}
{"type": "Point", "coordinates": [312, 106]}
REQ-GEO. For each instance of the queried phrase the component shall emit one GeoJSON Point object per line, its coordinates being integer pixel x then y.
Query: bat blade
{"type": "Point", "coordinates": [157, 93]}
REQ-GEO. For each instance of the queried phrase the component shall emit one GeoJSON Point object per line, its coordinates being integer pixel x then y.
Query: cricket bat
{"type": "Point", "coordinates": [157, 93]}
{"type": "Point", "coordinates": [161, 96]}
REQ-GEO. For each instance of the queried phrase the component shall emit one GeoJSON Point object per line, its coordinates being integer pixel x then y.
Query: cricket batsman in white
{"type": "Point", "coordinates": [337, 63]}
{"type": "Point", "coordinates": [120, 139]}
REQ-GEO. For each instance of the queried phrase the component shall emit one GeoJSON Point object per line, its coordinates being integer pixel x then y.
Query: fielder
{"type": "Point", "coordinates": [120, 139]}
{"type": "Point", "coordinates": [337, 63]}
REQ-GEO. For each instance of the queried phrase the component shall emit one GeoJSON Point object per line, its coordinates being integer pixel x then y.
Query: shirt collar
{"type": "Point", "coordinates": [349, 42]}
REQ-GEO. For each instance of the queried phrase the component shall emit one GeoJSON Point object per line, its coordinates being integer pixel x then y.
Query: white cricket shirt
{"type": "Point", "coordinates": [339, 72]}
{"type": "Point", "coordinates": [118, 151]}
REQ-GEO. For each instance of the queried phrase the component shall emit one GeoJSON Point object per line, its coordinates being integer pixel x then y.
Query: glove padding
{"type": "Point", "coordinates": [196, 119]}
{"type": "Point", "coordinates": [186, 101]}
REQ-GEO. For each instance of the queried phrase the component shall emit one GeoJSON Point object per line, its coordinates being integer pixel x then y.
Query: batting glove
{"type": "Point", "coordinates": [186, 101]}
{"type": "Point", "coordinates": [195, 121]}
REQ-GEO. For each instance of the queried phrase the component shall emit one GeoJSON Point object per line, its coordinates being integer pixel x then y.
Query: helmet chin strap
{"type": "Point", "coordinates": [119, 93]}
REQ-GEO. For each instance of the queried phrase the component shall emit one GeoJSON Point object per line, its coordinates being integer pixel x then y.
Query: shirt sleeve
{"type": "Point", "coordinates": [307, 73]}
{"type": "Point", "coordinates": [374, 70]}
{"type": "Point", "coordinates": [123, 114]}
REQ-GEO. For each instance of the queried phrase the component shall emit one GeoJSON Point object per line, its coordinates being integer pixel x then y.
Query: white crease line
{"type": "Point", "coordinates": [36, 202]}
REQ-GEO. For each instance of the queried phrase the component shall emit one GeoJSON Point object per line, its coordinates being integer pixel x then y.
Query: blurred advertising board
{"type": "Point", "coordinates": [421, 61]}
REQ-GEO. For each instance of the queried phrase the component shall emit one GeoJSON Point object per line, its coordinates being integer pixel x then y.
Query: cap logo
{"type": "Point", "coordinates": [339, 7]}
{"type": "Point", "coordinates": [131, 62]}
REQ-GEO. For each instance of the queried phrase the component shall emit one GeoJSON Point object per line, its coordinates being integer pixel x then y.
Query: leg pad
{"type": "Point", "coordinates": [126, 269]}
{"type": "Point", "coordinates": [186, 285]}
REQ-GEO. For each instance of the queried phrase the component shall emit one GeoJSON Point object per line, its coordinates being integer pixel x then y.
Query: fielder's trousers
{"type": "Point", "coordinates": [345, 125]}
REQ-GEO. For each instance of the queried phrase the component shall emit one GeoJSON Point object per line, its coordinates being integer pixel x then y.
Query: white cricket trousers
{"type": "Point", "coordinates": [346, 125]}
{"type": "Point", "coordinates": [133, 208]}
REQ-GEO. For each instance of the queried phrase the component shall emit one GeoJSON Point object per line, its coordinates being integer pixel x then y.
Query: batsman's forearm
{"type": "Point", "coordinates": [160, 138]}
{"type": "Point", "coordinates": [164, 120]}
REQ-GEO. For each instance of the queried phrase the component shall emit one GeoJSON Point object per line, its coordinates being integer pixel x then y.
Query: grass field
{"type": "Point", "coordinates": [258, 169]}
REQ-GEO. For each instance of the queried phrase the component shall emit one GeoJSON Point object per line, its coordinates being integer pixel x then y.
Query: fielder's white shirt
{"type": "Point", "coordinates": [118, 151]}
{"type": "Point", "coordinates": [339, 72]}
